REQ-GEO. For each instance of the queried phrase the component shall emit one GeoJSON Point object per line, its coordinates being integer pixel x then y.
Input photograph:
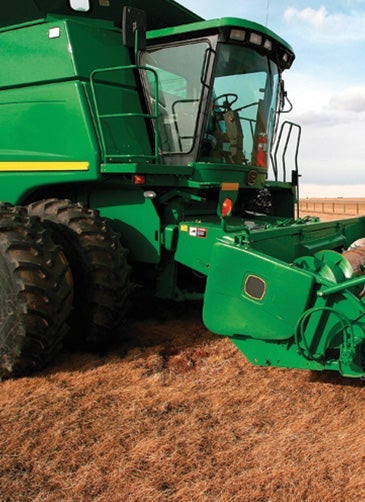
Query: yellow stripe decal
{"type": "Point", "coordinates": [44, 166]}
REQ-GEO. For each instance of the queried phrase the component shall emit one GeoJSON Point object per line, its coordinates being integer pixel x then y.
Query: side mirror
{"type": "Point", "coordinates": [283, 99]}
{"type": "Point", "coordinates": [134, 28]}
{"type": "Point", "coordinates": [283, 95]}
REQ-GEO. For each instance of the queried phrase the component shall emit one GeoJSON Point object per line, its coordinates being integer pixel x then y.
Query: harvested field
{"type": "Point", "coordinates": [177, 414]}
{"type": "Point", "coordinates": [332, 208]}
{"type": "Point", "coordinates": [180, 415]}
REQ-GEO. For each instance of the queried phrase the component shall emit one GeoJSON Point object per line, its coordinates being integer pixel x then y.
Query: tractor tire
{"type": "Point", "coordinates": [35, 294]}
{"type": "Point", "coordinates": [99, 268]}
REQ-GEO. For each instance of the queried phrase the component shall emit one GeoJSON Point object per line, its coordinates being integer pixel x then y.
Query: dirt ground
{"type": "Point", "coordinates": [177, 414]}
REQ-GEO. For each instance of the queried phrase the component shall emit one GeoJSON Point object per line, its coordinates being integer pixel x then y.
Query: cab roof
{"type": "Point", "coordinates": [267, 41]}
{"type": "Point", "coordinates": [216, 25]}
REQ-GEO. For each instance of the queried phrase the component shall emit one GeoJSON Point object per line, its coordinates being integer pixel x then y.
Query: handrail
{"type": "Point", "coordinates": [107, 116]}
{"type": "Point", "coordinates": [274, 158]}
{"type": "Point", "coordinates": [350, 283]}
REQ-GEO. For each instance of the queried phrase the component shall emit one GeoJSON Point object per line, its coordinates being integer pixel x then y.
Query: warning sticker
{"type": "Point", "coordinates": [104, 3]}
{"type": "Point", "coordinates": [197, 232]}
{"type": "Point", "coordinates": [184, 228]}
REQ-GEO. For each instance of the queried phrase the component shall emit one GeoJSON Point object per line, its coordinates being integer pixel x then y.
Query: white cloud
{"type": "Point", "coordinates": [331, 116]}
{"type": "Point", "coordinates": [332, 154]}
{"type": "Point", "coordinates": [320, 118]}
{"type": "Point", "coordinates": [317, 18]}
{"type": "Point", "coordinates": [309, 91]}
{"type": "Point", "coordinates": [329, 26]}
{"type": "Point", "coordinates": [320, 101]}
{"type": "Point", "coordinates": [351, 99]}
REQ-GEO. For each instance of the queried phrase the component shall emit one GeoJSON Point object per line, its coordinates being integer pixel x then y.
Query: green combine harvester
{"type": "Point", "coordinates": [141, 144]}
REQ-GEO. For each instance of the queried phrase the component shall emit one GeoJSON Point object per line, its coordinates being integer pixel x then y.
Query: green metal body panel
{"type": "Point", "coordinates": [231, 311]}
{"type": "Point", "coordinates": [136, 219]}
{"type": "Point", "coordinates": [45, 101]}
{"type": "Point", "coordinates": [213, 173]}
{"type": "Point", "coordinates": [180, 173]}
{"type": "Point", "coordinates": [46, 140]}
{"type": "Point", "coordinates": [47, 128]}
{"type": "Point", "coordinates": [332, 339]}
{"type": "Point", "coordinates": [24, 66]}
{"type": "Point", "coordinates": [274, 307]}
{"type": "Point", "coordinates": [195, 243]}
{"type": "Point", "coordinates": [279, 238]}
{"type": "Point", "coordinates": [59, 49]}
{"type": "Point", "coordinates": [280, 314]}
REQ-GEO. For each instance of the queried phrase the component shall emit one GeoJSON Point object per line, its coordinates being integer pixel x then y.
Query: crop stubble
{"type": "Point", "coordinates": [176, 414]}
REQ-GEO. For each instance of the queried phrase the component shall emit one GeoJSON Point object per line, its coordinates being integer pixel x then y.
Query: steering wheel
{"type": "Point", "coordinates": [229, 99]}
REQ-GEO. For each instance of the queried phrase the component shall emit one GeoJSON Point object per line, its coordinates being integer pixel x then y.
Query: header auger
{"type": "Point", "coordinates": [137, 147]}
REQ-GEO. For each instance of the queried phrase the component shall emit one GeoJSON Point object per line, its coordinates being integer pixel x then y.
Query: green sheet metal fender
{"type": "Point", "coordinates": [283, 315]}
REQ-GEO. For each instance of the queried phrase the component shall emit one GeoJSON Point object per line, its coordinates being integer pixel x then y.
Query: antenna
{"type": "Point", "coordinates": [267, 13]}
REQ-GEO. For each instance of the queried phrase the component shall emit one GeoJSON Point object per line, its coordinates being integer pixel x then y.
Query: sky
{"type": "Point", "coordinates": [326, 83]}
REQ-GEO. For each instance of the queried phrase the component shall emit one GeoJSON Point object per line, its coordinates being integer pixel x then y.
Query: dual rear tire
{"type": "Point", "coordinates": [63, 276]}
{"type": "Point", "coordinates": [99, 269]}
{"type": "Point", "coordinates": [35, 294]}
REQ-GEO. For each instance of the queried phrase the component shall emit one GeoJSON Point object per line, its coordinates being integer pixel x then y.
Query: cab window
{"type": "Point", "coordinates": [179, 69]}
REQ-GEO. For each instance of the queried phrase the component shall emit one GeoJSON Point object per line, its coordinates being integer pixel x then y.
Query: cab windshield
{"type": "Point", "coordinates": [241, 119]}
{"type": "Point", "coordinates": [219, 111]}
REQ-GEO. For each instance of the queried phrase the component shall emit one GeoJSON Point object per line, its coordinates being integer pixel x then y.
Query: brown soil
{"type": "Point", "coordinates": [180, 415]}
{"type": "Point", "coordinates": [177, 414]}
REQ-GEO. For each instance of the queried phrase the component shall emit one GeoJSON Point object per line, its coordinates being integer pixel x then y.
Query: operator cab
{"type": "Point", "coordinates": [218, 91]}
